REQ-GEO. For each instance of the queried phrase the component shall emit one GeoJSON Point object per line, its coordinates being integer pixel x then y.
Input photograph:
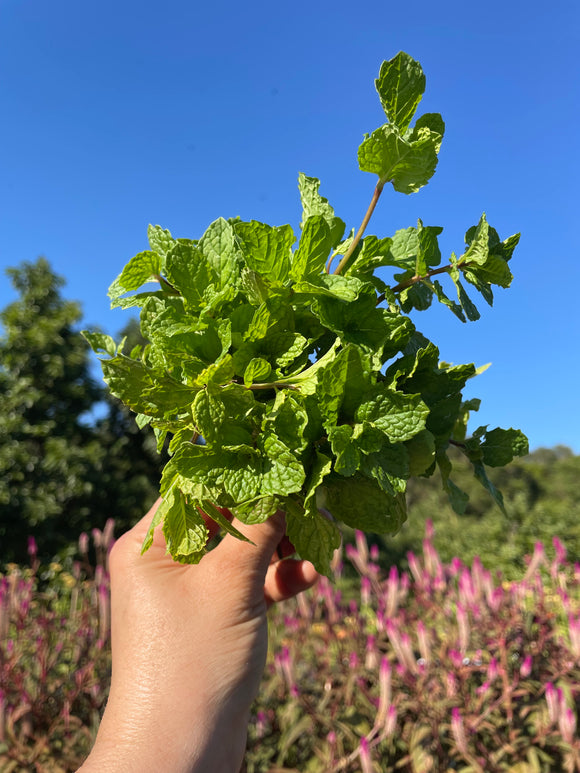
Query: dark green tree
{"type": "Point", "coordinates": [63, 470]}
{"type": "Point", "coordinates": [46, 390]}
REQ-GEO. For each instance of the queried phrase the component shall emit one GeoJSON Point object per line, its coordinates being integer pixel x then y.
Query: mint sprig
{"type": "Point", "coordinates": [282, 385]}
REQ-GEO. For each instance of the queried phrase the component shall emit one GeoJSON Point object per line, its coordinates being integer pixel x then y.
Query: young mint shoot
{"type": "Point", "coordinates": [299, 366]}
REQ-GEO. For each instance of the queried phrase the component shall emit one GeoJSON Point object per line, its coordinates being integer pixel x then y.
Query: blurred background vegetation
{"type": "Point", "coordinates": [71, 456]}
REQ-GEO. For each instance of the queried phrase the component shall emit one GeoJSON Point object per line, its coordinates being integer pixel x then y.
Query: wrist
{"type": "Point", "coordinates": [139, 744]}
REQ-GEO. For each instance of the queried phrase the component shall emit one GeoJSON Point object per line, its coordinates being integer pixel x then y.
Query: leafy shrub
{"type": "Point", "coordinates": [541, 499]}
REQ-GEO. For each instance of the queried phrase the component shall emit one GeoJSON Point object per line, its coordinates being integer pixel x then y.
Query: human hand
{"type": "Point", "coordinates": [189, 646]}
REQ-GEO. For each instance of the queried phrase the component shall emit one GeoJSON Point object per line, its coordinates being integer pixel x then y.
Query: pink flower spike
{"type": "Point", "coordinates": [553, 702]}
{"type": "Point", "coordinates": [526, 667]}
{"type": "Point", "coordinates": [561, 551]}
{"type": "Point", "coordinates": [574, 632]}
{"type": "Point", "coordinates": [84, 543]}
{"type": "Point", "coordinates": [455, 566]}
{"type": "Point", "coordinates": [567, 725]}
{"type": "Point", "coordinates": [458, 730]}
{"type": "Point", "coordinates": [391, 721]}
{"type": "Point", "coordinates": [385, 672]}
{"type": "Point", "coordinates": [365, 591]}
{"type": "Point", "coordinates": [32, 549]}
{"type": "Point", "coordinates": [365, 756]}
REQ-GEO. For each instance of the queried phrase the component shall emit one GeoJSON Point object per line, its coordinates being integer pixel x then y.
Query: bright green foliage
{"type": "Point", "coordinates": [312, 392]}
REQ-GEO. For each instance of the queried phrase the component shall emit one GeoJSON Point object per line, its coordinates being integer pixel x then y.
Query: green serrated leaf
{"type": "Point", "coordinates": [437, 289]}
{"type": "Point", "coordinates": [315, 204]}
{"type": "Point", "coordinates": [315, 244]}
{"type": "Point", "coordinates": [258, 512]}
{"type": "Point", "coordinates": [407, 164]}
{"type": "Point", "coordinates": [99, 342]}
{"type": "Point", "coordinates": [400, 85]}
{"type": "Point", "coordinates": [209, 413]}
{"type": "Point", "coordinates": [481, 475]}
{"type": "Point", "coordinates": [184, 529]}
{"type": "Point", "coordinates": [257, 370]}
{"type": "Point", "coordinates": [342, 384]}
{"type": "Point", "coordinates": [189, 272]}
{"type": "Point", "coordinates": [267, 250]}
{"type": "Point", "coordinates": [421, 451]}
{"type": "Point", "coordinates": [359, 502]}
{"type": "Point", "coordinates": [160, 240]}
{"type": "Point", "coordinates": [314, 536]}
{"type": "Point", "coordinates": [218, 246]}
{"type": "Point", "coordinates": [467, 304]}
{"type": "Point", "coordinates": [158, 517]}
{"type": "Point", "coordinates": [140, 269]}
{"type": "Point", "coordinates": [345, 288]}
{"type": "Point", "coordinates": [210, 509]}
{"type": "Point", "coordinates": [347, 454]}
{"type": "Point", "coordinates": [321, 467]}
{"type": "Point", "coordinates": [144, 390]}
{"type": "Point", "coordinates": [502, 445]}
{"type": "Point", "coordinates": [282, 472]}
{"type": "Point", "coordinates": [398, 415]}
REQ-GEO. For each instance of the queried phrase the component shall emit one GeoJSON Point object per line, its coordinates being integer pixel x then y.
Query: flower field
{"type": "Point", "coordinates": [446, 667]}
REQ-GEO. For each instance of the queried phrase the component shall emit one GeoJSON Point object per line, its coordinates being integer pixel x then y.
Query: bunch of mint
{"type": "Point", "coordinates": [280, 385]}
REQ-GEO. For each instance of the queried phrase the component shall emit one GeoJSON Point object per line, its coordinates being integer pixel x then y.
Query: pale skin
{"type": "Point", "coordinates": [189, 647]}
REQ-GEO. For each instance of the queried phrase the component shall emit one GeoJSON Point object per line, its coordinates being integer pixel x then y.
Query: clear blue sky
{"type": "Point", "coordinates": [118, 114]}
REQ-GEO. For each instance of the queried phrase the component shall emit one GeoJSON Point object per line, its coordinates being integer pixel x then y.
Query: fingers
{"type": "Point", "coordinates": [287, 578]}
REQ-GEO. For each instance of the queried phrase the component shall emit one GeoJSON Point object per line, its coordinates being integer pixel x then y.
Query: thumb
{"type": "Point", "coordinates": [256, 554]}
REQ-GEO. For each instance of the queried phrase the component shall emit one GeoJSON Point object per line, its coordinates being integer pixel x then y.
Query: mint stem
{"type": "Point", "coordinates": [417, 278]}
{"type": "Point", "coordinates": [361, 230]}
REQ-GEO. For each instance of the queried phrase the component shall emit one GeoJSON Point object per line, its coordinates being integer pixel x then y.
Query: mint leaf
{"type": "Point", "coordinates": [408, 164]}
{"type": "Point", "coordinates": [347, 454]}
{"type": "Point", "coordinates": [184, 529]}
{"type": "Point", "coordinates": [502, 445]}
{"type": "Point", "coordinates": [362, 504]}
{"type": "Point", "coordinates": [315, 204]}
{"type": "Point", "coordinates": [160, 240]}
{"type": "Point", "coordinates": [400, 85]}
{"type": "Point", "coordinates": [282, 473]}
{"type": "Point", "coordinates": [143, 267]}
{"type": "Point", "coordinates": [210, 509]}
{"type": "Point", "coordinates": [421, 452]}
{"type": "Point", "coordinates": [342, 384]}
{"type": "Point", "coordinates": [266, 250]}
{"type": "Point", "coordinates": [99, 342]}
{"type": "Point", "coordinates": [398, 415]}
{"type": "Point", "coordinates": [189, 272]}
{"type": "Point", "coordinates": [258, 512]}
{"type": "Point", "coordinates": [218, 246]}
{"type": "Point", "coordinates": [481, 475]}
{"type": "Point", "coordinates": [344, 288]}
{"type": "Point", "coordinates": [144, 390]}
{"type": "Point", "coordinates": [258, 369]}
{"type": "Point", "coordinates": [314, 536]}
{"type": "Point", "coordinates": [315, 244]}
